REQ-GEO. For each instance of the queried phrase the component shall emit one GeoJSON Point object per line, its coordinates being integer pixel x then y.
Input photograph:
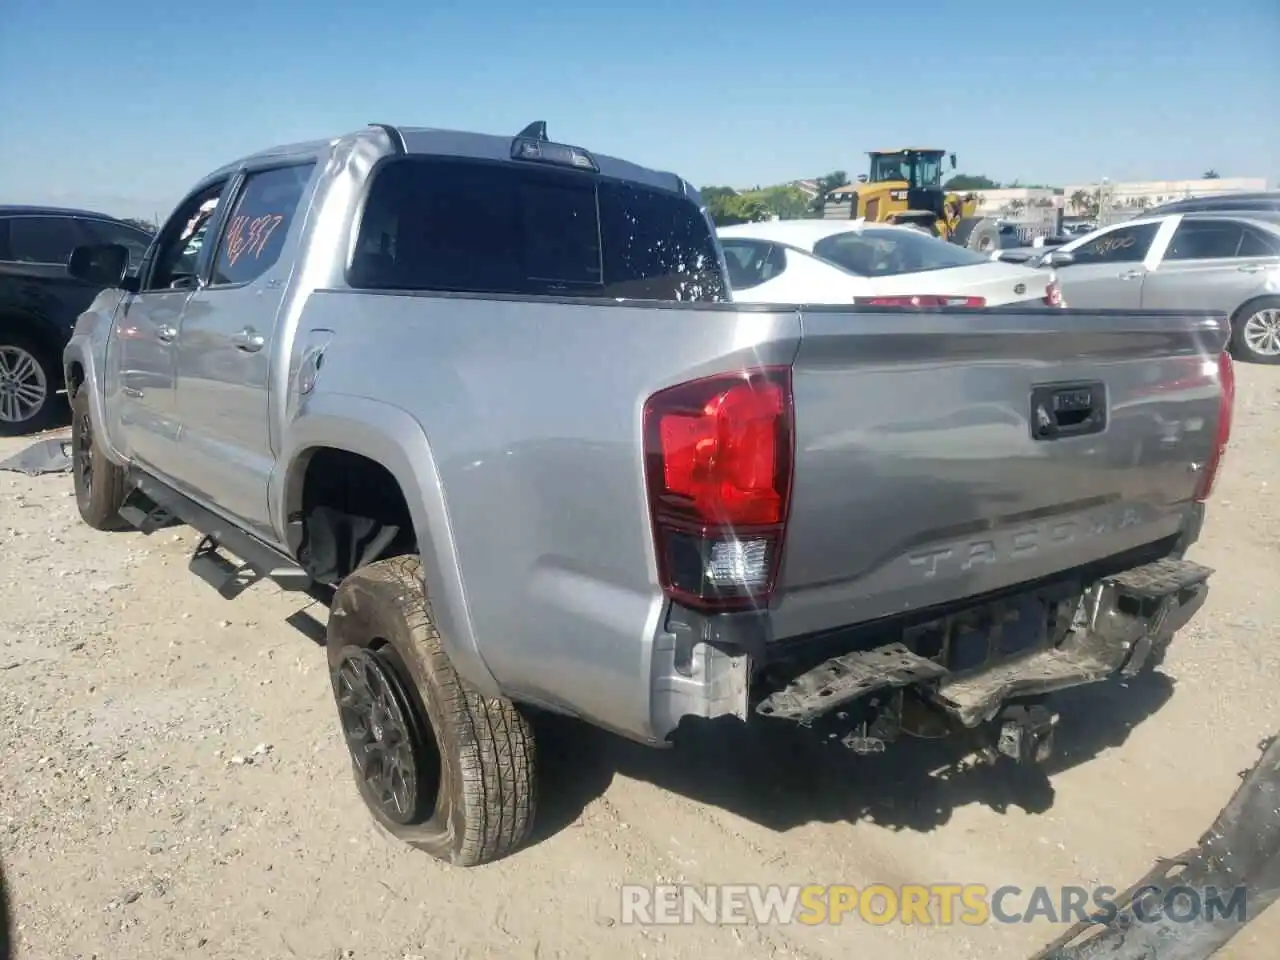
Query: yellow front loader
{"type": "Point", "coordinates": [905, 187]}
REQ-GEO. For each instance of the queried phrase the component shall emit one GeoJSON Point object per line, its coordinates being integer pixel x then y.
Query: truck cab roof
{"type": "Point", "coordinates": [432, 141]}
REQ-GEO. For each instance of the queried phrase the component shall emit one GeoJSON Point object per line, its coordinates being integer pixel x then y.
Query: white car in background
{"type": "Point", "coordinates": [849, 261]}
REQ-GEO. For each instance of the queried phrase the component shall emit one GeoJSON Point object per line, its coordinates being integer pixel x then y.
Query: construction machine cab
{"type": "Point", "coordinates": [920, 168]}
{"type": "Point", "coordinates": [904, 186]}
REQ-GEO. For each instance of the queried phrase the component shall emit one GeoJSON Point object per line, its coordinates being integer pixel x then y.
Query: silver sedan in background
{"type": "Point", "coordinates": [1228, 262]}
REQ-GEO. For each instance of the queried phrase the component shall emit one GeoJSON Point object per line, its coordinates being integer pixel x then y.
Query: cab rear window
{"type": "Point", "coordinates": [471, 226]}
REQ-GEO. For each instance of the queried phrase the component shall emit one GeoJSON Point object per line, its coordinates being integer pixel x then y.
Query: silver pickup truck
{"type": "Point", "coordinates": [493, 394]}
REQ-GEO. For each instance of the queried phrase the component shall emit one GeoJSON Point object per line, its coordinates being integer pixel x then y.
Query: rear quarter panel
{"type": "Point", "coordinates": [533, 415]}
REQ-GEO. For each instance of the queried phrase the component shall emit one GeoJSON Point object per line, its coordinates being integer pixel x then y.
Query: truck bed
{"type": "Point", "coordinates": [917, 480]}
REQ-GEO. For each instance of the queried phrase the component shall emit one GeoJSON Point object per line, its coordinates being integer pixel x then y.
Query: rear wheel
{"type": "Point", "coordinates": [29, 382]}
{"type": "Point", "coordinates": [99, 483]}
{"type": "Point", "coordinates": [1255, 331]}
{"type": "Point", "coordinates": [438, 765]}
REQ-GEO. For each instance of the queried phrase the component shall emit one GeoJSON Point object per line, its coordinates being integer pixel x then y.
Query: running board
{"type": "Point", "coordinates": [152, 505]}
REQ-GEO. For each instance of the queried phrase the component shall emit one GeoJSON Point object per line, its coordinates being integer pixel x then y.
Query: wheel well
{"type": "Point", "coordinates": [1252, 304]}
{"type": "Point", "coordinates": [351, 512]}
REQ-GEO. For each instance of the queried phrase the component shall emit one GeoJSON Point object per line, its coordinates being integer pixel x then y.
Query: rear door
{"type": "Point", "coordinates": [1110, 267]}
{"type": "Point", "coordinates": [1212, 264]}
{"type": "Point", "coordinates": [223, 352]}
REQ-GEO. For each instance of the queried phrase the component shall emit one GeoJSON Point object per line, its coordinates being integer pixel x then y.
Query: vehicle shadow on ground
{"type": "Point", "coordinates": [782, 778]}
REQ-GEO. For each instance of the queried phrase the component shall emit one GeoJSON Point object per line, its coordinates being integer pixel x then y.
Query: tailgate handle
{"type": "Point", "coordinates": [1061, 410]}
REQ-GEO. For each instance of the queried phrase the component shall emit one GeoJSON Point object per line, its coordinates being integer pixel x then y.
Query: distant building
{"type": "Point", "coordinates": [1012, 201]}
{"type": "Point", "coordinates": [1137, 195]}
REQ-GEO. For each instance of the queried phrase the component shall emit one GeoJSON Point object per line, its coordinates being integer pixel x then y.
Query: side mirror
{"type": "Point", "coordinates": [953, 161]}
{"type": "Point", "coordinates": [1057, 259]}
{"type": "Point", "coordinates": [862, 178]}
{"type": "Point", "coordinates": [101, 264]}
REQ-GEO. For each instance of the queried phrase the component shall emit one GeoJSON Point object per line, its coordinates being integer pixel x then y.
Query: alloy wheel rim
{"type": "Point", "coordinates": [375, 724]}
{"type": "Point", "coordinates": [23, 387]}
{"type": "Point", "coordinates": [1262, 332]}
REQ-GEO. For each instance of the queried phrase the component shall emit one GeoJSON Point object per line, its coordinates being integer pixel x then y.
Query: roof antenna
{"type": "Point", "coordinates": [534, 131]}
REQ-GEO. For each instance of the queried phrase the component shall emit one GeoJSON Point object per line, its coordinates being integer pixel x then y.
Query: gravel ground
{"type": "Point", "coordinates": [172, 782]}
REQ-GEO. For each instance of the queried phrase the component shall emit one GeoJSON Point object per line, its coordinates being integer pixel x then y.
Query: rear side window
{"type": "Point", "coordinates": [1121, 245]}
{"type": "Point", "coordinates": [887, 253]}
{"type": "Point", "coordinates": [1256, 243]}
{"type": "Point", "coordinates": [43, 239]}
{"type": "Point", "coordinates": [1205, 240]}
{"type": "Point", "coordinates": [259, 223]}
{"type": "Point", "coordinates": [752, 262]}
{"type": "Point", "coordinates": [468, 226]}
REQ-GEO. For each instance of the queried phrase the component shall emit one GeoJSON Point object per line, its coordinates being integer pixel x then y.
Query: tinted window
{"type": "Point", "coordinates": [104, 231]}
{"type": "Point", "coordinates": [1205, 240]}
{"type": "Point", "coordinates": [885, 253]}
{"type": "Point", "coordinates": [1121, 245]}
{"type": "Point", "coordinates": [1256, 243]}
{"type": "Point", "coordinates": [259, 223]}
{"type": "Point", "coordinates": [43, 239]}
{"type": "Point", "coordinates": [752, 262]}
{"type": "Point", "coordinates": [468, 226]}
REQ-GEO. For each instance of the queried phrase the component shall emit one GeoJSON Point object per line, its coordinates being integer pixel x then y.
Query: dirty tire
{"type": "Point", "coordinates": [475, 763]}
{"type": "Point", "coordinates": [977, 233]}
{"type": "Point", "coordinates": [99, 483]}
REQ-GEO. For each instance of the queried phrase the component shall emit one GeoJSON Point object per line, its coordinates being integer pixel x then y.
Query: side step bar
{"type": "Point", "coordinates": [152, 505]}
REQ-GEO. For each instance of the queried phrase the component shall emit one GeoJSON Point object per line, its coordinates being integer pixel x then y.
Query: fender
{"type": "Point", "coordinates": [88, 346]}
{"type": "Point", "coordinates": [391, 437]}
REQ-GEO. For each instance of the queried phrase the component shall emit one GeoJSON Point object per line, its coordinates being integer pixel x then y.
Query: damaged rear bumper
{"type": "Point", "coordinates": [1121, 624]}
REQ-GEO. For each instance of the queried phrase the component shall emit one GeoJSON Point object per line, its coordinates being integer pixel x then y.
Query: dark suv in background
{"type": "Point", "coordinates": [1260, 202]}
{"type": "Point", "coordinates": [40, 301]}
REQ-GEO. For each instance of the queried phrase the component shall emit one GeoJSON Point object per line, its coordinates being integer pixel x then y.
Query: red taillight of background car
{"type": "Point", "coordinates": [1222, 433]}
{"type": "Point", "coordinates": [920, 300]}
{"type": "Point", "coordinates": [718, 468]}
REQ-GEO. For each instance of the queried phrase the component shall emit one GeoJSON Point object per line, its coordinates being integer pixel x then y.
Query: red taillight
{"type": "Point", "coordinates": [1053, 295]}
{"type": "Point", "coordinates": [718, 464]}
{"type": "Point", "coordinates": [1222, 435]}
{"type": "Point", "coordinates": [920, 300]}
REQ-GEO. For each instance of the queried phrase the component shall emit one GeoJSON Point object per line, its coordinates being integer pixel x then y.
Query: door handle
{"type": "Point", "coordinates": [1133, 274]}
{"type": "Point", "coordinates": [1251, 268]}
{"type": "Point", "coordinates": [166, 333]}
{"type": "Point", "coordinates": [249, 340]}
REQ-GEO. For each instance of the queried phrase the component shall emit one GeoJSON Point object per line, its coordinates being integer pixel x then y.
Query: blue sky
{"type": "Point", "coordinates": [122, 106]}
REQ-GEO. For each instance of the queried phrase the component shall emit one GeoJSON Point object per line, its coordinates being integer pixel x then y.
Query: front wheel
{"type": "Point", "coordinates": [438, 765]}
{"type": "Point", "coordinates": [99, 483]}
{"type": "Point", "coordinates": [1255, 331]}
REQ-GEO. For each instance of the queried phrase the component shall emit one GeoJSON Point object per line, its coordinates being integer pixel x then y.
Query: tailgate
{"type": "Point", "coordinates": [919, 481]}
